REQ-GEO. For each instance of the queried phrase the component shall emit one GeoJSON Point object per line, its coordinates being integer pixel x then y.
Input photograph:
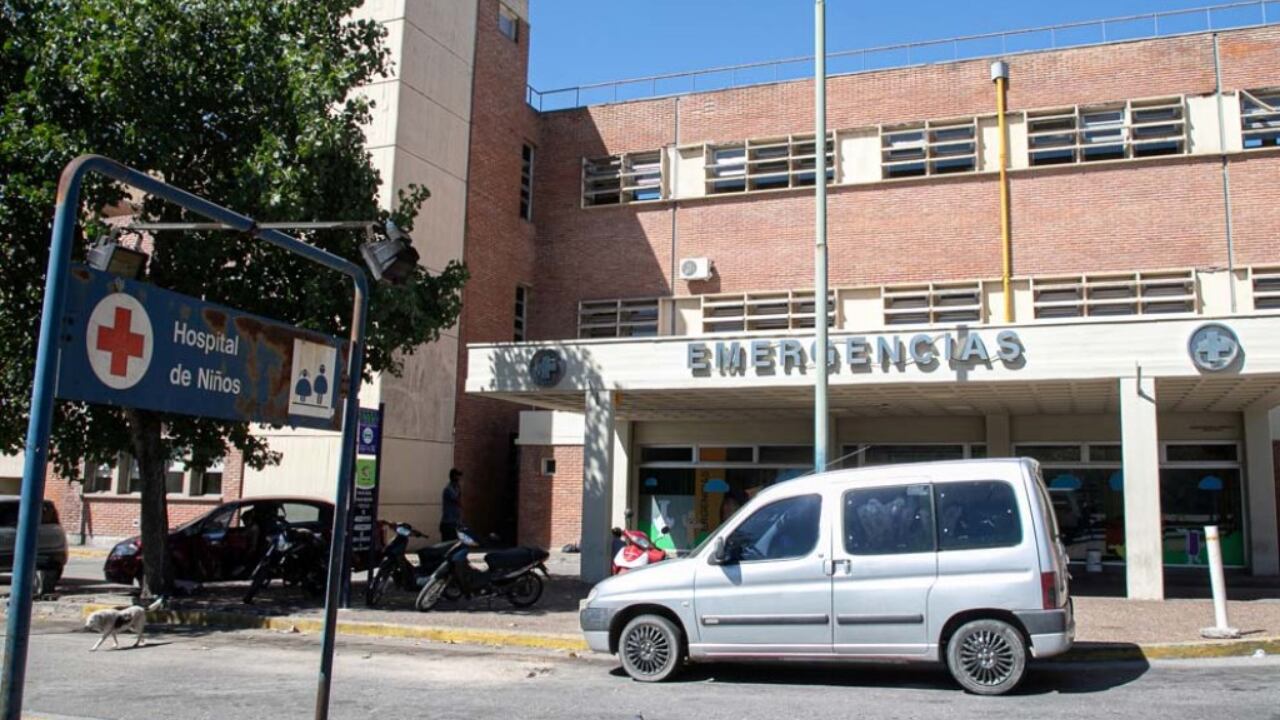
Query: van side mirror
{"type": "Point", "coordinates": [723, 554]}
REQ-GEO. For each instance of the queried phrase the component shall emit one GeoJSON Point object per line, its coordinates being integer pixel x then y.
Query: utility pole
{"type": "Point", "coordinates": [820, 235]}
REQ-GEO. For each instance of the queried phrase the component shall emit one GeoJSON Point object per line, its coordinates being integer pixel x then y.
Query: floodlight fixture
{"type": "Point", "coordinates": [109, 255]}
{"type": "Point", "coordinates": [391, 258]}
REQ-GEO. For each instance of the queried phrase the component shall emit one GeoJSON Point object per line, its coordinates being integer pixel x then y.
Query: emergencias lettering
{"type": "Point", "coordinates": [858, 353]}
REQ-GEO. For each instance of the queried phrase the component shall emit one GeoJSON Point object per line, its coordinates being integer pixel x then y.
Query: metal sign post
{"type": "Point", "coordinates": [116, 356]}
{"type": "Point", "coordinates": [364, 501]}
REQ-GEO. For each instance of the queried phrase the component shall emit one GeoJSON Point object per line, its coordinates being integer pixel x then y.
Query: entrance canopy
{"type": "Point", "coordinates": [1046, 368]}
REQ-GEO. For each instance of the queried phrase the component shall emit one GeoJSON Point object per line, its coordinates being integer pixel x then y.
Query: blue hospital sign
{"type": "Point", "coordinates": [136, 345]}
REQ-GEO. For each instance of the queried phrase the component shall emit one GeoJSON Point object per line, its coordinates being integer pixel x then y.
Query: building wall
{"type": "Point", "coordinates": [109, 517]}
{"type": "Point", "coordinates": [1140, 214]}
{"type": "Point", "coordinates": [500, 255]}
{"type": "Point", "coordinates": [550, 505]}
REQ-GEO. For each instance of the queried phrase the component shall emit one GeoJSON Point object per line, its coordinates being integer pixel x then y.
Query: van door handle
{"type": "Point", "coordinates": [829, 566]}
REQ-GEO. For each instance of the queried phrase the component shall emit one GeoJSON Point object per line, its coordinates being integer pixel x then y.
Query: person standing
{"type": "Point", "coordinates": [451, 506]}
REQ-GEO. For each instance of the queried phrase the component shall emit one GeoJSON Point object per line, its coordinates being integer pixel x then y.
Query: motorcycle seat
{"type": "Point", "coordinates": [514, 558]}
{"type": "Point", "coordinates": [434, 553]}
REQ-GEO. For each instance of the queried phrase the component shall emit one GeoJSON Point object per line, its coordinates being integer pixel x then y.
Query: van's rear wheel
{"type": "Point", "coordinates": [987, 657]}
{"type": "Point", "coordinates": [650, 648]}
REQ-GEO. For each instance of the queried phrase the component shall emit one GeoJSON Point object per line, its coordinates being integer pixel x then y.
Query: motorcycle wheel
{"type": "Point", "coordinates": [525, 591]}
{"type": "Point", "coordinates": [261, 576]}
{"type": "Point", "coordinates": [378, 590]}
{"type": "Point", "coordinates": [431, 594]}
{"type": "Point", "coordinates": [452, 592]}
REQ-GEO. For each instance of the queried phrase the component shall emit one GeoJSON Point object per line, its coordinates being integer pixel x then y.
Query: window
{"type": "Point", "coordinates": [977, 514]}
{"type": "Point", "coordinates": [1114, 131]}
{"type": "Point", "coordinates": [99, 477]}
{"type": "Point", "coordinates": [132, 482]}
{"type": "Point", "coordinates": [775, 163]}
{"type": "Point", "coordinates": [895, 454]}
{"type": "Point", "coordinates": [928, 148]}
{"type": "Point", "coordinates": [1143, 293]}
{"type": "Point", "coordinates": [778, 531]}
{"type": "Point", "coordinates": [526, 182]}
{"type": "Point", "coordinates": [1266, 287]}
{"type": "Point", "coordinates": [548, 466]}
{"type": "Point", "coordinates": [174, 477]}
{"type": "Point", "coordinates": [935, 303]}
{"type": "Point", "coordinates": [48, 514]}
{"type": "Point", "coordinates": [888, 521]}
{"type": "Point", "coordinates": [208, 481]}
{"type": "Point", "coordinates": [783, 310]}
{"type": "Point", "coordinates": [620, 179]}
{"type": "Point", "coordinates": [508, 23]}
{"type": "Point", "coordinates": [636, 317]}
{"type": "Point", "coordinates": [666, 454]}
{"type": "Point", "coordinates": [522, 303]}
{"type": "Point", "coordinates": [1260, 118]}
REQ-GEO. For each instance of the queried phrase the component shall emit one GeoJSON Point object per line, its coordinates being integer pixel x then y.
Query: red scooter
{"type": "Point", "coordinates": [636, 550]}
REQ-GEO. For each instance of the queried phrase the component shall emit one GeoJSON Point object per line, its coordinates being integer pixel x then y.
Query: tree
{"type": "Point", "coordinates": [250, 103]}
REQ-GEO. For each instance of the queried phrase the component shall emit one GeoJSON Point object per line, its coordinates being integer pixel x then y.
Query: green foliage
{"type": "Point", "coordinates": [249, 103]}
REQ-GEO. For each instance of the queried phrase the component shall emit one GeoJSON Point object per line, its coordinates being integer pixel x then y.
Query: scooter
{"type": "Point", "coordinates": [395, 569]}
{"type": "Point", "coordinates": [511, 574]}
{"type": "Point", "coordinates": [636, 551]}
{"type": "Point", "coordinates": [295, 555]}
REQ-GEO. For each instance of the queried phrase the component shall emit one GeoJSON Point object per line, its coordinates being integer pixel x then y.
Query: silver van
{"type": "Point", "coordinates": [952, 562]}
{"type": "Point", "coordinates": [51, 543]}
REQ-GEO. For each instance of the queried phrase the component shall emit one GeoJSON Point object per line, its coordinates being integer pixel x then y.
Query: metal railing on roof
{"type": "Point", "coordinates": [1170, 23]}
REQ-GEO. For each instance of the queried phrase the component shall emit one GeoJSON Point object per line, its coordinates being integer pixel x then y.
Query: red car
{"type": "Point", "coordinates": [223, 544]}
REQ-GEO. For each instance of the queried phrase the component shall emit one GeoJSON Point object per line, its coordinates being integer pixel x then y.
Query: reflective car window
{"type": "Point", "coordinates": [782, 529]}
{"type": "Point", "coordinates": [301, 513]}
{"type": "Point", "coordinates": [219, 520]}
{"type": "Point", "coordinates": [890, 520]}
{"type": "Point", "coordinates": [979, 514]}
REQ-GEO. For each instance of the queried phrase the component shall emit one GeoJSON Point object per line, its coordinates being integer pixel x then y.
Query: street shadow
{"type": "Point", "coordinates": [1042, 678]}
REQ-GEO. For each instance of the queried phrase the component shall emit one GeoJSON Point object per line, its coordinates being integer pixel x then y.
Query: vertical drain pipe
{"type": "Point", "coordinates": [1000, 75]}
{"type": "Point", "coordinates": [1226, 175]}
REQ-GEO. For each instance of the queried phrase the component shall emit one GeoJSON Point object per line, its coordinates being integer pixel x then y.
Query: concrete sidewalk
{"type": "Point", "coordinates": [1110, 624]}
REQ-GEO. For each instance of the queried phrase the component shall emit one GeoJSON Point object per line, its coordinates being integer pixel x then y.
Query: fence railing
{"type": "Point", "coordinates": [1230, 16]}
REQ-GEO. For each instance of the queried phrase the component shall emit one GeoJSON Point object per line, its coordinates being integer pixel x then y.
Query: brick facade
{"type": "Point", "coordinates": [499, 253]}
{"type": "Point", "coordinates": [1130, 215]}
{"type": "Point", "coordinates": [108, 517]}
{"type": "Point", "coordinates": [550, 505]}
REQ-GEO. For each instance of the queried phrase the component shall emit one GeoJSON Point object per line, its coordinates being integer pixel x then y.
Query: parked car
{"type": "Point", "coordinates": [955, 562]}
{"type": "Point", "coordinates": [51, 549]}
{"type": "Point", "coordinates": [225, 543]}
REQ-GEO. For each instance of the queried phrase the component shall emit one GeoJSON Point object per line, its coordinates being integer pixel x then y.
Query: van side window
{"type": "Point", "coordinates": [977, 514]}
{"type": "Point", "coordinates": [782, 529]}
{"type": "Point", "coordinates": [888, 520]}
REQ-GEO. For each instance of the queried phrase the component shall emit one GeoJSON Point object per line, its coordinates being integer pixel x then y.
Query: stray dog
{"type": "Point", "coordinates": [110, 622]}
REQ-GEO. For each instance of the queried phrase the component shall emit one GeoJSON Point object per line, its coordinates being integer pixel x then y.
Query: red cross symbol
{"type": "Point", "coordinates": [120, 341]}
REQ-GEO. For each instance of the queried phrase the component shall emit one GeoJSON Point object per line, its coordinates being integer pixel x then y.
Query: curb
{"type": "Point", "coordinates": [85, 552]}
{"type": "Point", "coordinates": [1115, 652]}
{"type": "Point", "coordinates": [1084, 652]}
{"type": "Point", "coordinates": [287, 623]}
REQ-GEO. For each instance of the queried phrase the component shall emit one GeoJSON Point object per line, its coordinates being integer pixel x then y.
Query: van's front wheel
{"type": "Point", "coordinates": [650, 648]}
{"type": "Point", "coordinates": [987, 657]}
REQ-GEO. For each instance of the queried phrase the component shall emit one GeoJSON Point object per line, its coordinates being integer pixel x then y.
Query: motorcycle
{"type": "Point", "coordinates": [395, 569]}
{"type": "Point", "coordinates": [511, 574]}
{"type": "Point", "coordinates": [636, 551]}
{"type": "Point", "coordinates": [295, 555]}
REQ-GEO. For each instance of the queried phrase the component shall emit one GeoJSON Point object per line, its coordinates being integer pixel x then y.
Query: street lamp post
{"type": "Point", "coordinates": [820, 235]}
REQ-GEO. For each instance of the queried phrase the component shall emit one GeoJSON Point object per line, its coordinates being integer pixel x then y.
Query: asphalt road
{"type": "Point", "coordinates": [250, 674]}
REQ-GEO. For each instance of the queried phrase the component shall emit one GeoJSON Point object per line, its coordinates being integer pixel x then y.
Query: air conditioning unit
{"type": "Point", "coordinates": [695, 268]}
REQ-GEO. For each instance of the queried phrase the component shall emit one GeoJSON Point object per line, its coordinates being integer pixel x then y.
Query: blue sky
{"type": "Point", "coordinates": [584, 41]}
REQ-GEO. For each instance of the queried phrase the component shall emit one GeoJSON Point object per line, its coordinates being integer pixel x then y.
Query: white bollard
{"type": "Point", "coordinates": [1221, 629]}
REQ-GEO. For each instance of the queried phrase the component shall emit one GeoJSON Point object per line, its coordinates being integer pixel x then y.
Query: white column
{"type": "Point", "coordinates": [597, 478]}
{"type": "Point", "coordinates": [1260, 492]}
{"type": "Point", "coordinates": [1143, 530]}
{"type": "Point", "coordinates": [999, 438]}
{"type": "Point", "coordinates": [620, 492]}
